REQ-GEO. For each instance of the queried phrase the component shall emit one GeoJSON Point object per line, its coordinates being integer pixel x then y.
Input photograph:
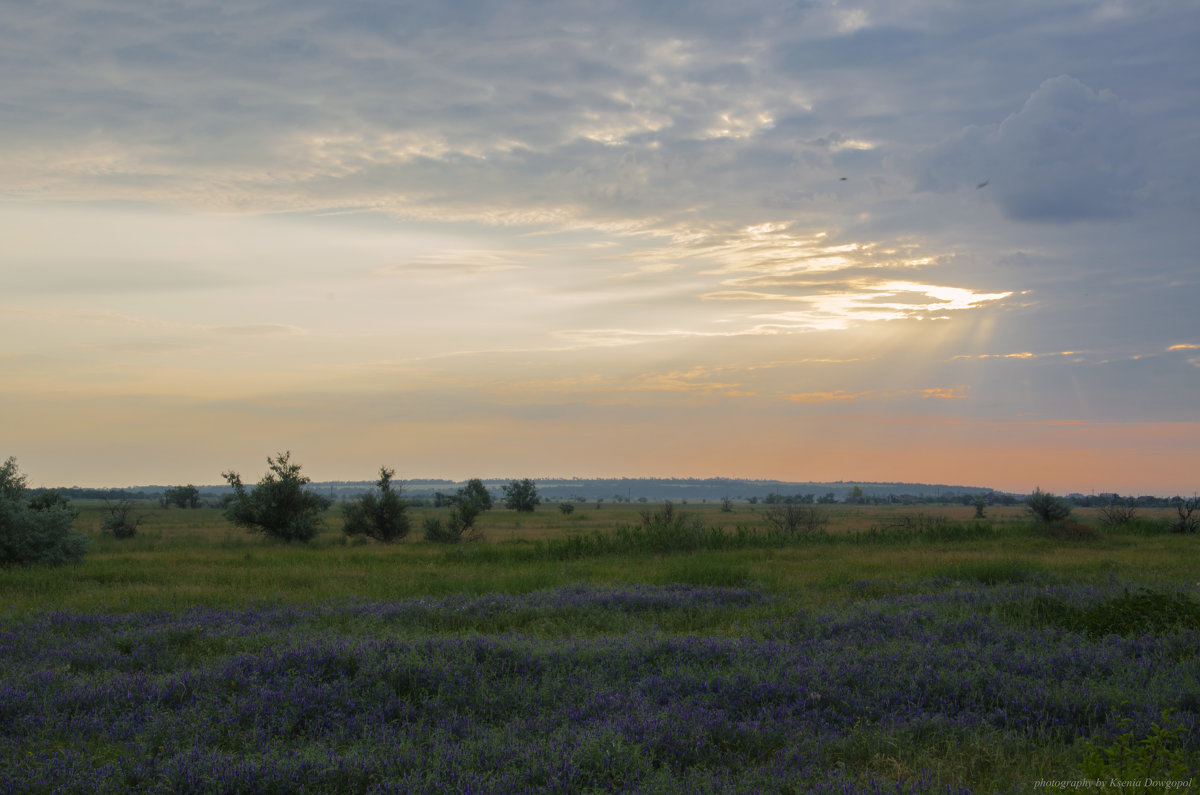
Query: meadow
{"type": "Point", "coordinates": [895, 649]}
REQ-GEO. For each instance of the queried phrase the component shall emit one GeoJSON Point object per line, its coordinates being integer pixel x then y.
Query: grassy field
{"type": "Point", "coordinates": [195, 557]}
{"type": "Point", "coordinates": [897, 649]}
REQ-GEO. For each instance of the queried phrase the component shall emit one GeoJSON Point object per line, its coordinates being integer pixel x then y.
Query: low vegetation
{"type": "Point", "coordinates": [718, 647]}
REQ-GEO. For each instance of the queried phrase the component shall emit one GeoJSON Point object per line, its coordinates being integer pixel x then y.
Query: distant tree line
{"type": "Point", "coordinates": [77, 493]}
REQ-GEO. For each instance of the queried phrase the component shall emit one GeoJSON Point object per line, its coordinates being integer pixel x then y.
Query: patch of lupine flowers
{"type": "Point", "coordinates": [548, 692]}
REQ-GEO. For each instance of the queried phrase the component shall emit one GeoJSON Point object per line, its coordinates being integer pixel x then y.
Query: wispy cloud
{"type": "Point", "coordinates": [842, 396]}
{"type": "Point", "coordinates": [259, 329]}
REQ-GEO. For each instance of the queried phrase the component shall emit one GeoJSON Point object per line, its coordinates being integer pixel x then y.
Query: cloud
{"type": "Point", "coordinates": [458, 262]}
{"type": "Point", "coordinates": [1069, 154]}
{"type": "Point", "coordinates": [259, 329]}
{"type": "Point", "coordinates": [843, 396]}
{"type": "Point", "coordinates": [65, 277]}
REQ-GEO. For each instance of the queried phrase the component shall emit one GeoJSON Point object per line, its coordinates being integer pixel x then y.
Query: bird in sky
{"type": "Point", "coordinates": [983, 184]}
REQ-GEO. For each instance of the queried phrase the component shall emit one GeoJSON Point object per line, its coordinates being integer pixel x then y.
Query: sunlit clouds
{"type": "Point", "coordinates": [836, 240]}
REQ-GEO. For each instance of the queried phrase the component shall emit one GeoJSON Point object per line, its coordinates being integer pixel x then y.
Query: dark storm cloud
{"type": "Point", "coordinates": [1070, 153]}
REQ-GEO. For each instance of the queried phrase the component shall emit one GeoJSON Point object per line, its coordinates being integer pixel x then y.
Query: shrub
{"type": "Point", "coordinates": [278, 506]}
{"type": "Point", "coordinates": [379, 517]}
{"type": "Point", "coordinates": [792, 519]}
{"type": "Point", "coordinates": [1047, 508]}
{"type": "Point", "coordinates": [667, 516]}
{"type": "Point", "coordinates": [119, 523]}
{"type": "Point", "coordinates": [566, 507]}
{"type": "Point", "coordinates": [38, 532]}
{"type": "Point", "coordinates": [458, 526]}
{"type": "Point", "coordinates": [465, 506]}
{"type": "Point", "coordinates": [1118, 513]}
{"type": "Point", "coordinates": [1159, 756]}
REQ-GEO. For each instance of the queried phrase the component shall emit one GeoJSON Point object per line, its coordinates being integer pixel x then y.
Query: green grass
{"type": "Point", "coordinates": [190, 557]}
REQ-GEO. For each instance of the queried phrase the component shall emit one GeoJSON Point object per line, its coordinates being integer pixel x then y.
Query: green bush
{"type": "Point", "coordinates": [459, 525]}
{"type": "Point", "coordinates": [1159, 756]}
{"type": "Point", "coordinates": [1047, 508]}
{"type": "Point", "coordinates": [278, 506]}
{"type": "Point", "coordinates": [38, 532]}
{"type": "Point", "coordinates": [379, 517]}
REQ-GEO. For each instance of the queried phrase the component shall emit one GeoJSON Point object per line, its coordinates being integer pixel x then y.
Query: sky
{"type": "Point", "coordinates": [877, 240]}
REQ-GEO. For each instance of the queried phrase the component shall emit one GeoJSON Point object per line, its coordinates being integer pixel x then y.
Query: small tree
{"type": "Point", "coordinates": [1186, 523]}
{"type": "Point", "coordinates": [521, 495]}
{"type": "Point", "coordinates": [39, 531]}
{"type": "Point", "coordinates": [1047, 508]}
{"type": "Point", "coordinates": [119, 523]}
{"type": "Point", "coordinates": [279, 506]}
{"type": "Point", "coordinates": [566, 507]}
{"type": "Point", "coordinates": [379, 517]}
